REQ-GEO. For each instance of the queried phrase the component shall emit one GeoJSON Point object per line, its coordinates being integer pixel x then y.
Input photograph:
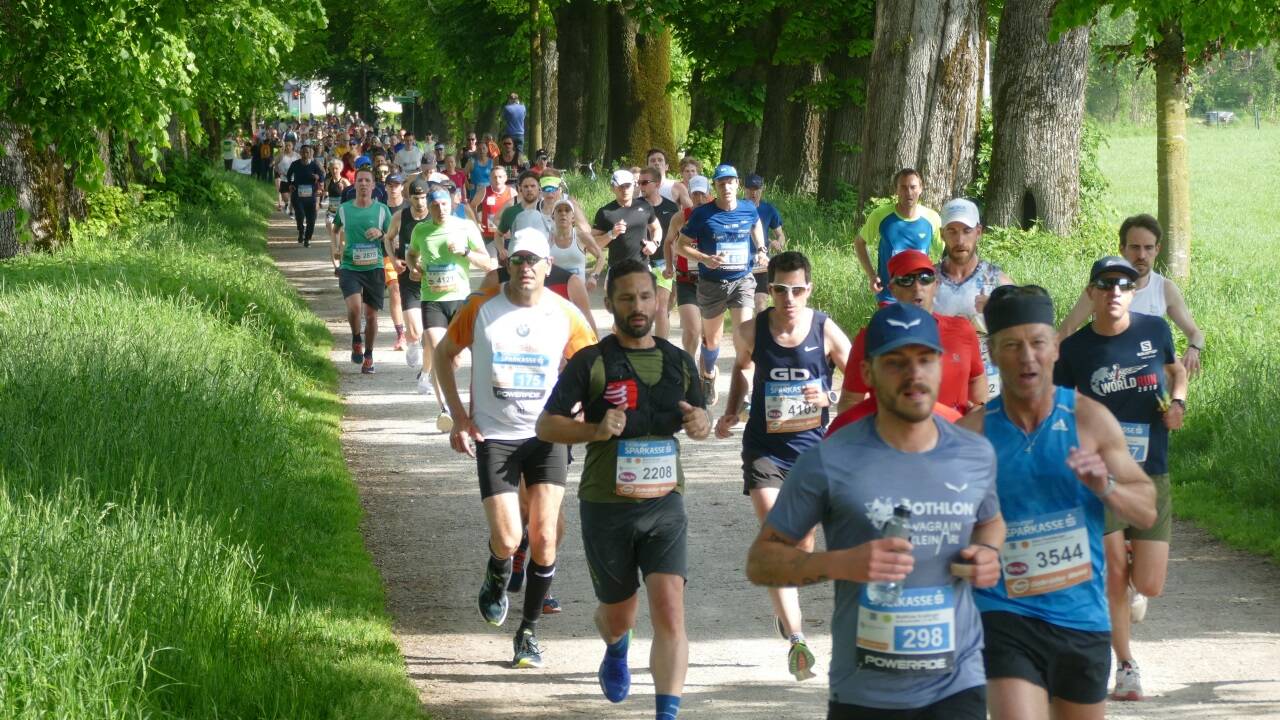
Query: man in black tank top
{"type": "Point", "coordinates": [402, 224]}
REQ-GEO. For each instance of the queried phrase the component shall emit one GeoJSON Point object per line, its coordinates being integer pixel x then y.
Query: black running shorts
{"type": "Point", "coordinates": [686, 294]}
{"type": "Point", "coordinates": [501, 463]}
{"type": "Point", "coordinates": [1070, 664]}
{"type": "Point", "coordinates": [410, 292]}
{"type": "Point", "coordinates": [759, 472]}
{"type": "Point", "coordinates": [439, 313]}
{"type": "Point", "coordinates": [370, 284]}
{"type": "Point", "coordinates": [968, 704]}
{"type": "Point", "coordinates": [626, 541]}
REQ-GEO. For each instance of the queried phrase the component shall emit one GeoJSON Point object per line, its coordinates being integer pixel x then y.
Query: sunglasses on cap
{"type": "Point", "coordinates": [783, 289]}
{"type": "Point", "coordinates": [924, 278]}
{"type": "Point", "coordinates": [1107, 284]}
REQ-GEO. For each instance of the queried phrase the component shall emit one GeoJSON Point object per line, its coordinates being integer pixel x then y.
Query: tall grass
{"type": "Point", "coordinates": [180, 533]}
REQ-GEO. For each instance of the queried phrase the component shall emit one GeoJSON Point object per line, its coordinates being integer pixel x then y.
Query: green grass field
{"type": "Point", "coordinates": [1225, 472]}
{"type": "Point", "coordinates": [180, 531]}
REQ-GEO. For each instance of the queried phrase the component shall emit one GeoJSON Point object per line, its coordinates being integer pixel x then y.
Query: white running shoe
{"type": "Point", "coordinates": [1137, 606]}
{"type": "Point", "coordinates": [444, 422]}
{"type": "Point", "coordinates": [1128, 682]}
{"type": "Point", "coordinates": [413, 355]}
{"type": "Point", "coordinates": [424, 384]}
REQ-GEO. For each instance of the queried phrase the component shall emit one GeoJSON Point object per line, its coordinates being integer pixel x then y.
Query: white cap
{"type": "Point", "coordinates": [529, 240]}
{"type": "Point", "coordinates": [960, 210]}
{"type": "Point", "coordinates": [622, 177]}
{"type": "Point", "coordinates": [438, 177]}
{"type": "Point", "coordinates": [699, 183]}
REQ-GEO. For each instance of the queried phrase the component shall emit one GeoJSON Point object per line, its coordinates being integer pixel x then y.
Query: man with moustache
{"type": "Point", "coordinates": [636, 391]}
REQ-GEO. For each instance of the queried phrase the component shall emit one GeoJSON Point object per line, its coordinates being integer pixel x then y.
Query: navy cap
{"type": "Point", "coordinates": [900, 324]}
{"type": "Point", "coordinates": [1113, 263]}
{"type": "Point", "coordinates": [724, 171]}
{"type": "Point", "coordinates": [753, 182]}
{"type": "Point", "coordinates": [395, 178]}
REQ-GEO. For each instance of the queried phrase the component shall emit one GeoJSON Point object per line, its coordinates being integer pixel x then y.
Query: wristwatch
{"type": "Point", "coordinates": [833, 397]}
{"type": "Point", "coordinates": [1179, 401]}
{"type": "Point", "coordinates": [1110, 488]}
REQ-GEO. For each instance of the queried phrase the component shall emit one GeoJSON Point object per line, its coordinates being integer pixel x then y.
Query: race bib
{"type": "Point", "coordinates": [1047, 553]}
{"type": "Point", "coordinates": [305, 191]}
{"type": "Point", "coordinates": [1138, 437]}
{"type": "Point", "coordinates": [915, 634]}
{"type": "Point", "coordinates": [646, 468]}
{"type": "Point", "coordinates": [365, 255]}
{"type": "Point", "coordinates": [785, 409]}
{"type": "Point", "coordinates": [734, 251]}
{"type": "Point", "coordinates": [519, 375]}
{"type": "Point", "coordinates": [993, 372]}
{"type": "Point", "coordinates": [443, 278]}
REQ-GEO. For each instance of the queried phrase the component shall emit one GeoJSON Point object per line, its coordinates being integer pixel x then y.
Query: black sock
{"type": "Point", "coordinates": [355, 338]}
{"type": "Point", "coordinates": [500, 568]}
{"type": "Point", "coordinates": [537, 583]}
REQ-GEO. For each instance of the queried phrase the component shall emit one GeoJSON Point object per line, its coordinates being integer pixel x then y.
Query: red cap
{"type": "Point", "coordinates": [908, 262]}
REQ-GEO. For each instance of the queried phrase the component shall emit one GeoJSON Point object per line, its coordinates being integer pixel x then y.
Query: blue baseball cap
{"type": "Point", "coordinates": [900, 324]}
{"type": "Point", "coordinates": [724, 171]}
{"type": "Point", "coordinates": [363, 161]}
{"type": "Point", "coordinates": [438, 195]}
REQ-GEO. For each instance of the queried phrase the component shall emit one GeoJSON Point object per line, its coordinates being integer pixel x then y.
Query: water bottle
{"type": "Point", "coordinates": [898, 526]}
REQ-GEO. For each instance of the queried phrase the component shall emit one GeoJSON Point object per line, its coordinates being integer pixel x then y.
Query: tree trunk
{"type": "Point", "coordinates": [640, 69]}
{"type": "Point", "coordinates": [741, 147]}
{"type": "Point", "coordinates": [595, 133]}
{"type": "Point", "coordinates": [550, 90]}
{"type": "Point", "coordinates": [1037, 105]}
{"type": "Point", "coordinates": [1172, 180]}
{"type": "Point", "coordinates": [38, 193]}
{"type": "Point", "coordinates": [841, 157]}
{"type": "Point", "coordinates": [572, 44]}
{"type": "Point", "coordinates": [704, 116]}
{"type": "Point", "coordinates": [533, 133]}
{"type": "Point", "coordinates": [923, 97]}
{"type": "Point", "coordinates": [742, 127]}
{"type": "Point", "coordinates": [790, 133]}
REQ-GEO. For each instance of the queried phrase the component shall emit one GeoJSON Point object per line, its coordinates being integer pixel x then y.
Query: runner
{"type": "Point", "coordinates": [511, 158]}
{"type": "Point", "coordinates": [442, 247]}
{"type": "Point", "coordinates": [651, 181]}
{"type": "Point", "coordinates": [526, 210]}
{"type": "Point", "coordinates": [771, 222]}
{"type": "Point", "coordinates": [304, 178]}
{"type": "Point", "coordinates": [455, 175]}
{"type": "Point", "coordinates": [283, 160]}
{"type": "Point", "coordinates": [628, 227]}
{"type": "Point", "coordinates": [518, 335]}
{"type": "Point", "coordinates": [790, 393]}
{"type": "Point", "coordinates": [905, 225]}
{"type": "Point", "coordinates": [1156, 294]}
{"type": "Point", "coordinates": [669, 188]}
{"type": "Point", "coordinates": [409, 157]}
{"type": "Point", "coordinates": [964, 380]}
{"type": "Point", "coordinates": [636, 392]}
{"type": "Point", "coordinates": [1125, 360]}
{"type": "Point", "coordinates": [396, 204]}
{"type": "Point", "coordinates": [724, 237]}
{"type": "Point", "coordinates": [965, 282]}
{"type": "Point", "coordinates": [919, 655]}
{"type": "Point", "coordinates": [488, 205]}
{"type": "Point", "coordinates": [335, 184]}
{"type": "Point", "coordinates": [358, 249]}
{"type": "Point", "coordinates": [541, 160]}
{"type": "Point", "coordinates": [1062, 459]}
{"type": "Point", "coordinates": [686, 285]}
{"type": "Point", "coordinates": [479, 167]}
{"type": "Point", "coordinates": [403, 223]}
{"type": "Point", "coordinates": [570, 244]}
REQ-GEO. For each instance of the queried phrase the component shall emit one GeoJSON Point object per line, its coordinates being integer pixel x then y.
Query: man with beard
{"type": "Point", "coordinates": [919, 655]}
{"type": "Point", "coordinates": [904, 225]}
{"type": "Point", "coordinates": [637, 391]}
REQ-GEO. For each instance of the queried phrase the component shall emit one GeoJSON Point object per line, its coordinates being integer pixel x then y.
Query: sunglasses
{"type": "Point", "coordinates": [783, 289]}
{"type": "Point", "coordinates": [646, 182]}
{"type": "Point", "coordinates": [1111, 283]}
{"type": "Point", "coordinates": [550, 190]}
{"type": "Point", "coordinates": [524, 260]}
{"type": "Point", "coordinates": [925, 278]}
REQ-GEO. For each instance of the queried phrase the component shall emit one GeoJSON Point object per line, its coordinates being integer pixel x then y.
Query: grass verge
{"type": "Point", "coordinates": [181, 533]}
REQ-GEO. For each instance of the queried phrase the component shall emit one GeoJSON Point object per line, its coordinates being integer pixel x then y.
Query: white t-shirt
{"type": "Point", "coordinates": [410, 160]}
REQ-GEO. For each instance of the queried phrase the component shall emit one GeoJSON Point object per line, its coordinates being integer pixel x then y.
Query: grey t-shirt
{"type": "Point", "coordinates": [850, 483]}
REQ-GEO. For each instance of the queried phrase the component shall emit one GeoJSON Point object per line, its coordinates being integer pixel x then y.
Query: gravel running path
{"type": "Point", "coordinates": [1210, 647]}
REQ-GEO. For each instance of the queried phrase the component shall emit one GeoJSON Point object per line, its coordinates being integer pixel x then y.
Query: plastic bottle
{"type": "Point", "coordinates": [898, 526]}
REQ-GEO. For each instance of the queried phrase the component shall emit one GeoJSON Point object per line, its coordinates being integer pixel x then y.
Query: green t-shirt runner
{"type": "Point", "coordinates": [446, 275]}
{"type": "Point", "coordinates": [358, 252]}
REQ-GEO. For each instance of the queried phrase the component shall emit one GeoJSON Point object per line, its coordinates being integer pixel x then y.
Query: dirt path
{"type": "Point", "coordinates": [1209, 649]}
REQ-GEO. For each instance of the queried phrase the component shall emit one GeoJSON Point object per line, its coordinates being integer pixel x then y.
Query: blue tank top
{"type": "Point", "coordinates": [782, 425]}
{"type": "Point", "coordinates": [1052, 556]}
{"type": "Point", "coordinates": [459, 211]}
{"type": "Point", "coordinates": [480, 173]}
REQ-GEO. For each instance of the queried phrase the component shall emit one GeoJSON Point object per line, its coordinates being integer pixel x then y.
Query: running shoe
{"type": "Point", "coordinates": [800, 661]}
{"type": "Point", "coordinates": [444, 422]}
{"type": "Point", "coordinates": [357, 351]}
{"type": "Point", "coordinates": [300, 239]}
{"type": "Point", "coordinates": [517, 569]}
{"type": "Point", "coordinates": [424, 384]}
{"type": "Point", "coordinates": [306, 242]}
{"type": "Point", "coordinates": [709, 389]}
{"type": "Point", "coordinates": [615, 677]}
{"type": "Point", "coordinates": [1137, 606]}
{"type": "Point", "coordinates": [550, 606]}
{"type": "Point", "coordinates": [777, 624]}
{"type": "Point", "coordinates": [366, 367]}
{"type": "Point", "coordinates": [413, 355]}
{"type": "Point", "coordinates": [1128, 682]}
{"type": "Point", "coordinates": [493, 600]}
{"type": "Point", "coordinates": [528, 651]}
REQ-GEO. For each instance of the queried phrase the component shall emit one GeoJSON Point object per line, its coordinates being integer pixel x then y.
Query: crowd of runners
{"type": "Point", "coordinates": [1027, 458]}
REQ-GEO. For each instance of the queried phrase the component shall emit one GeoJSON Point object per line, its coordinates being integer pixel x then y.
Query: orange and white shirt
{"type": "Point", "coordinates": [516, 353]}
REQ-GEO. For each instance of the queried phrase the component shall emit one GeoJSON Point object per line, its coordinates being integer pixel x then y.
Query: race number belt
{"type": "Point", "coordinates": [1138, 437]}
{"type": "Point", "coordinates": [785, 409]}
{"type": "Point", "coordinates": [645, 468]}
{"type": "Point", "coordinates": [915, 634]}
{"type": "Point", "coordinates": [1046, 553]}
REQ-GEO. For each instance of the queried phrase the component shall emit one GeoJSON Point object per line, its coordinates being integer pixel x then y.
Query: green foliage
{"type": "Point", "coordinates": [982, 157]}
{"type": "Point", "coordinates": [194, 182]}
{"type": "Point", "coordinates": [704, 145]}
{"type": "Point", "coordinates": [194, 550]}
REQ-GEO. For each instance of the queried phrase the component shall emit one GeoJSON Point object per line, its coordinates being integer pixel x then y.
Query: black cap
{"type": "Point", "coordinates": [418, 187]}
{"type": "Point", "coordinates": [1113, 263]}
{"type": "Point", "coordinates": [753, 182]}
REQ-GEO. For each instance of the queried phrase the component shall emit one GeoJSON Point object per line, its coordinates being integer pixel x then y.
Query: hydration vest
{"type": "Point", "coordinates": [655, 410]}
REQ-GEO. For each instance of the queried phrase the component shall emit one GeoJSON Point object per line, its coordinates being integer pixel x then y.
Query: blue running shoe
{"type": "Point", "coordinates": [493, 600]}
{"type": "Point", "coordinates": [615, 676]}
